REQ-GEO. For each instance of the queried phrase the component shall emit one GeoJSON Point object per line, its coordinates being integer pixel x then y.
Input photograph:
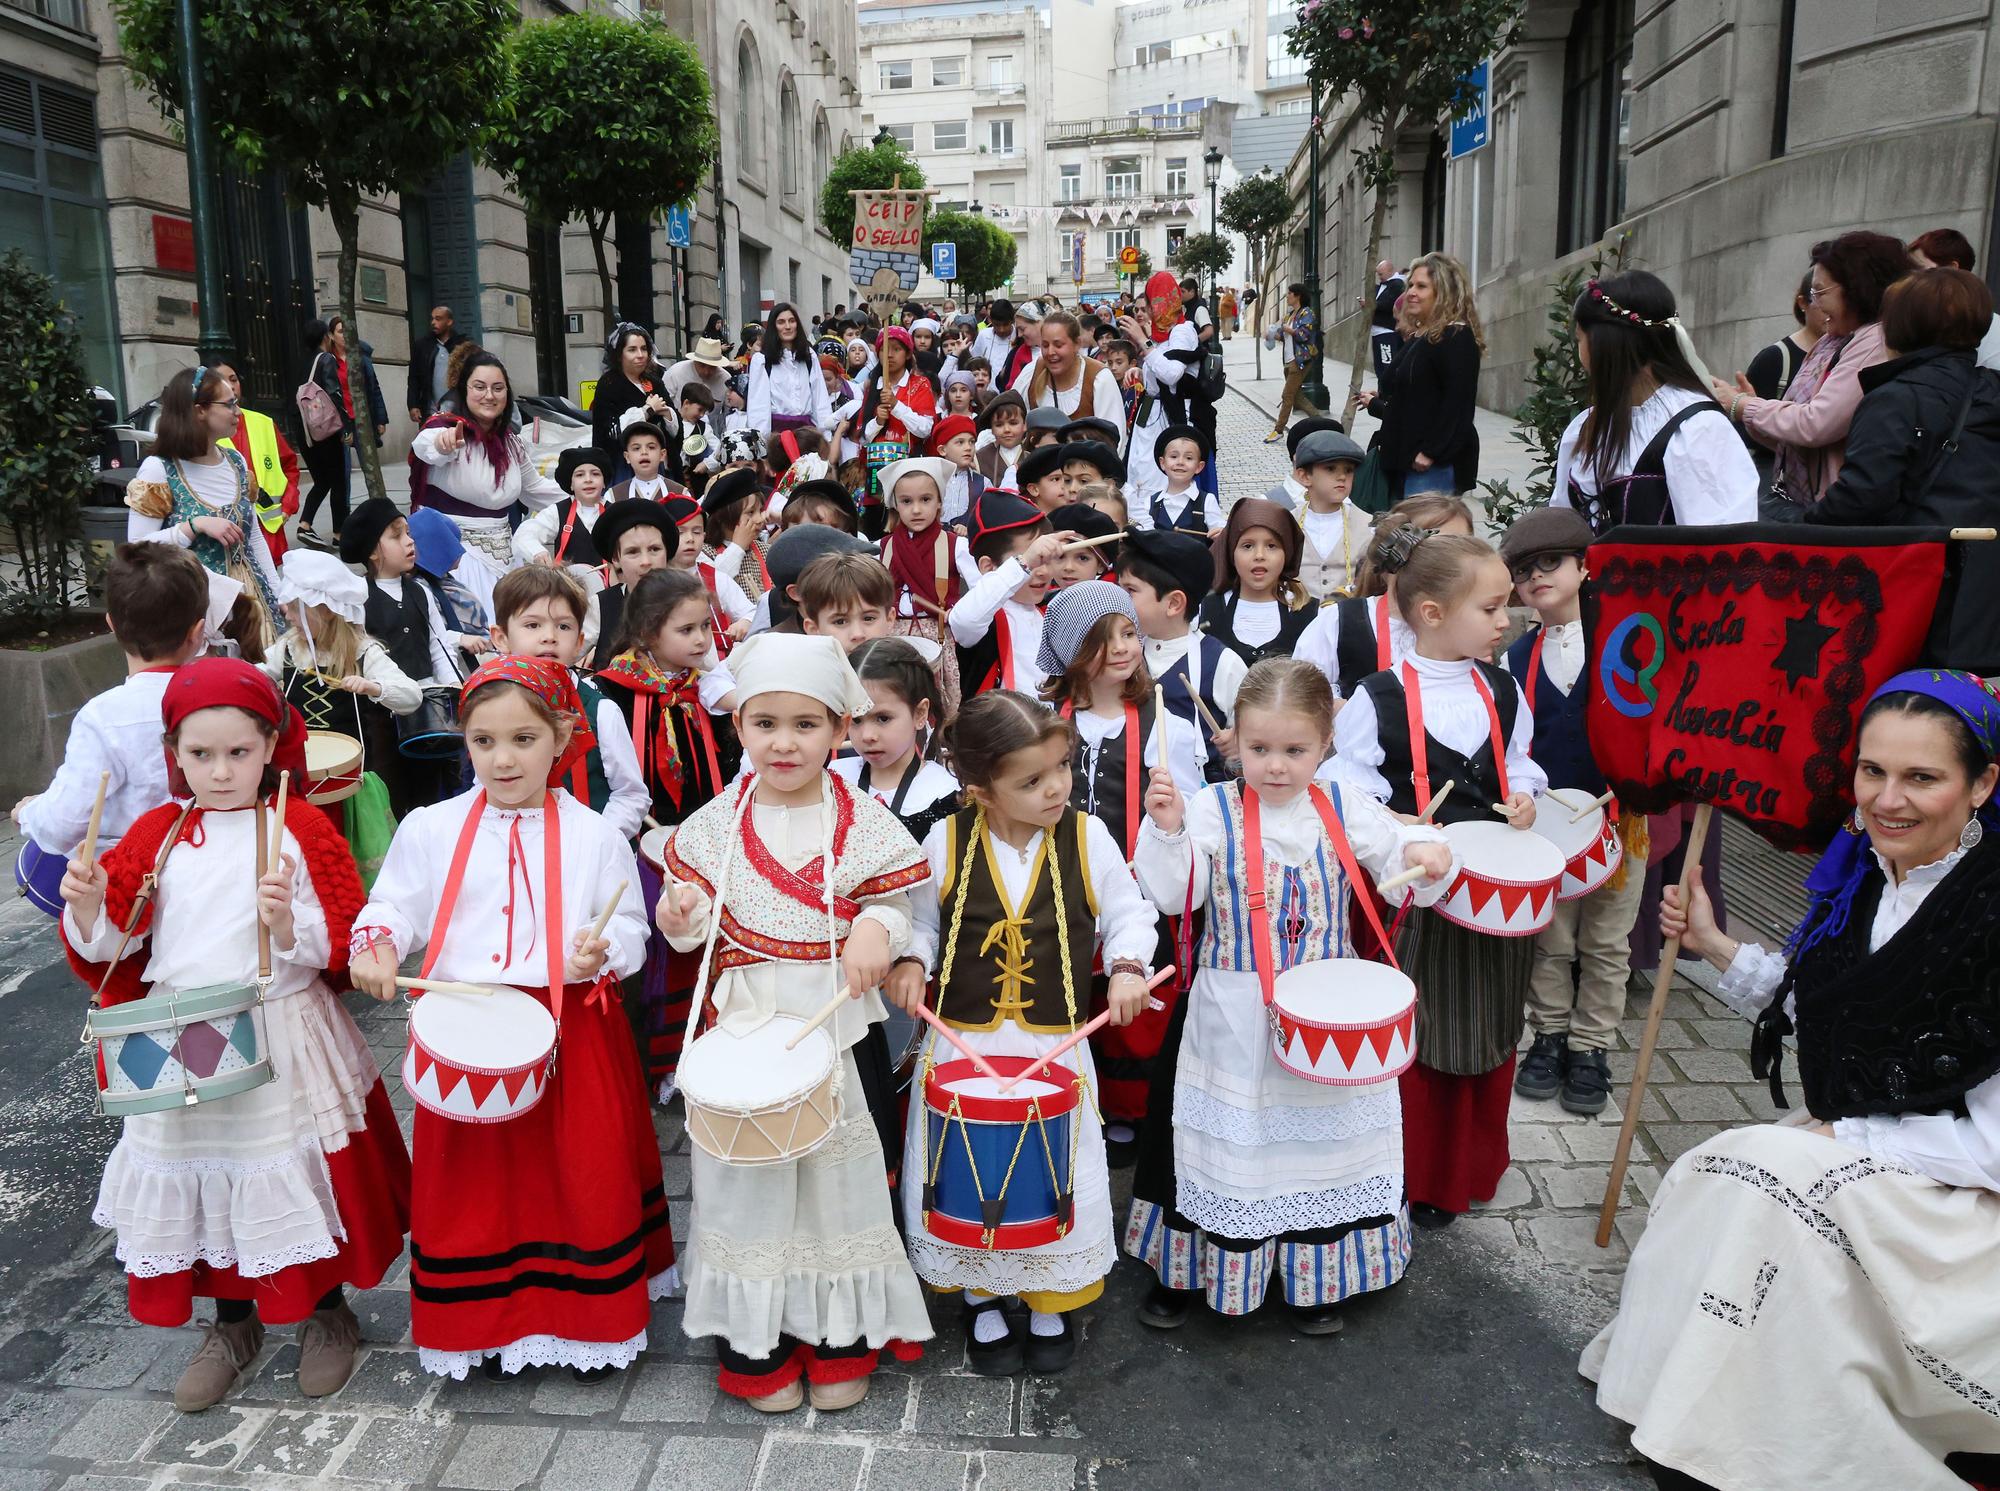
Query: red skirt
{"type": "Point", "coordinates": [549, 1224]}
{"type": "Point", "coordinates": [371, 1186]}
{"type": "Point", "coordinates": [1455, 1135]}
{"type": "Point", "coordinates": [1124, 1055]}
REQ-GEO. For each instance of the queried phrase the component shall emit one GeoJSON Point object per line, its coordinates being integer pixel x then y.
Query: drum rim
{"type": "Point", "coordinates": [1001, 1109]}
{"type": "Point", "coordinates": [763, 1105]}
{"type": "Point", "coordinates": [350, 761]}
{"type": "Point", "coordinates": [1298, 1019]}
{"type": "Point", "coordinates": [413, 1083]}
{"type": "Point", "coordinates": [500, 992]}
{"type": "Point", "coordinates": [134, 1017]}
{"type": "Point", "coordinates": [244, 1079]}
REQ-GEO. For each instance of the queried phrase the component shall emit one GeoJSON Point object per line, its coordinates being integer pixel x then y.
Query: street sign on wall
{"type": "Point", "coordinates": [1128, 259]}
{"type": "Point", "coordinates": [1468, 130]}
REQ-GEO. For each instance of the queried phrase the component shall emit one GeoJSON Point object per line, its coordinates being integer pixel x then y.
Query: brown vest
{"type": "Point", "coordinates": [1008, 964]}
{"type": "Point", "coordinates": [1041, 383]}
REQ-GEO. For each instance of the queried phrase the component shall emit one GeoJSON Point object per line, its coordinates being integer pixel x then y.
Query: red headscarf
{"type": "Point", "coordinates": [548, 681]}
{"type": "Point", "coordinates": [1163, 303]}
{"type": "Point", "coordinates": [898, 334]}
{"type": "Point", "coordinates": [231, 683]}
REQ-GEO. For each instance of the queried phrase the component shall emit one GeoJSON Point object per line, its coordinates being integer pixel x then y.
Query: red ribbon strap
{"type": "Point", "coordinates": [454, 881]}
{"type": "Point", "coordinates": [1420, 770]}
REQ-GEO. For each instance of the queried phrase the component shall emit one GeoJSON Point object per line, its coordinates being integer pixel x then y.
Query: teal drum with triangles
{"type": "Point", "coordinates": [176, 1050]}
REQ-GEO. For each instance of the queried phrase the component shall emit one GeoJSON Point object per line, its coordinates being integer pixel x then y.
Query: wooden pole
{"type": "Point", "coordinates": [1634, 1095]}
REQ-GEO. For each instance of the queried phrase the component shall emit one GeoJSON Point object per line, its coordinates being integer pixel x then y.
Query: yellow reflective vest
{"type": "Point", "coordinates": [264, 466]}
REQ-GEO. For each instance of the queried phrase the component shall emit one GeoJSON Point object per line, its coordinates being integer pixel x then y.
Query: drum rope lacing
{"type": "Point", "coordinates": [973, 842]}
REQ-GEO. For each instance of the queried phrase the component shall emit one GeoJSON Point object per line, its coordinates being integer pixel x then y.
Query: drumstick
{"type": "Point", "coordinates": [826, 1012]}
{"type": "Point", "coordinates": [1091, 543]}
{"type": "Point", "coordinates": [1215, 726]}
{"type": "Point", "coordinates": [1965, 534]}
{"type": "Point", "coordinates": [986, 1068]}
{"type": "Point", "coordinates": [1160, 724]}
{"type": "Point", "coordinates": [651, 822]}
{"type": "Point", "coordinates": [1077, 1037]}
{"type": "Point", "coordinates": [604, 916]}
{"type": "Point", "coordinates": [1437, 802]}
{"type": "Point", "coordinates": [1409, 877]}
{"type": "Point", "coordinates": [278, 829]}
{"type": "Point", "coordinates": [935, 610]}
{"type": "Point", "coordinates": [442, 986]}
{"type": "Point", "coordinates": [88, 854]}
{"type": "Point", "coordinates": [1505, 810]}
{"type": "Point", "coordinates": [1590, 807]}
{"type": "Point", "coordinates": [1614, 1189]}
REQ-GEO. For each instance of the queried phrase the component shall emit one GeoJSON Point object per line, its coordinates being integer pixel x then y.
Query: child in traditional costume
{"type": "Point", "coordinates": [1028, 890]}
{"type": "Point", "coordinates": [560, 535]}
{"type": "Point", "coordinates": [1258, 609]}
{"type": "Point", "coordinates": [273, 1199]}
{"type": "Point", "coordinates": [1447, 713]}
{"type": "Point", "coordinates": [541, 1240]}
{"type": "Point", "coordinates": [1261, 1174]}
{"type": "Point", "coordinates": [891, 759]}
{"type": "Point", "coordinates": [1365, 633]}
{"type": "Point", "coordinates": [794, 885]}
{"type": "Point", "coordinates": [931, 562]}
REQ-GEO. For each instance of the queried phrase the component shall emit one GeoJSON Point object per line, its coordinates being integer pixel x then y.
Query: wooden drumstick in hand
{"type": "Point", "coordinates": [1590, 807]}
{"type": "Point", "coordinates": [610, 907]}
{"type": "Point", "coordinates": [87, 855]}
{"type": "Point", "coordinates": [1431, 807]}
{"type": "Point", "coordinates": [826, 1012]}
{"type": "Point", "coordinates": [1506, 810]}
{"type": "Point", "coordinates": [1409, 877]}
{"type": "Point", "coordinates": [278, 828]}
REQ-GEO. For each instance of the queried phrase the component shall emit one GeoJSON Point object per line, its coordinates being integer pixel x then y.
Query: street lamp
{"type": "Point", "coordinates": [213, 337]}
{"type": "Point", "coordinates": [1314, 385]}
{"type": "Point", "coordinates": [1211, 170]}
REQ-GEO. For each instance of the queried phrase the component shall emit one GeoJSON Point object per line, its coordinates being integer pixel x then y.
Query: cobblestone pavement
{"type": "Point", "coordinates": [1462, 1377]}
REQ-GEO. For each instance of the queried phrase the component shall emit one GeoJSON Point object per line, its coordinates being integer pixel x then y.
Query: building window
{"type": "Point", "coordinates": [1066, 251]}
{"type": "Point", "coordinates": [948, 134]}
{"type": "Point", "coordinates": [1000, 136]}
{"type": "Point", "coordinates": [1069, 183]}
{"type": "Point", "coordinates": [791, 144]}
{"type": "Point", "coordinates": [1176, 174]}
{"type": "Point", "coordinates": [1175, 238]}
{"type": "Point", "coordinates": [1121, 176]}
{"type": "Point", "coordinates": [1000, 72]}
{"type": "Point", "coordinates": [1597, 107]}
{"type": "Point", "coordinates": [1279, 64]}
{"type": "Point", "coordinates": [947, 72]}
{"type": "Point", "coordinates": [1119, 238]}
{"type": "Point", "coordinates": [898, 75]}
{"type": "Point", "coordinates": [1292, 106]}
{"type": "Point", "coordinates": [749, 142]}
{"type": "Point", "coordinates": [822, 153]}
{"type": "Point", "coordinates": [905, 134]}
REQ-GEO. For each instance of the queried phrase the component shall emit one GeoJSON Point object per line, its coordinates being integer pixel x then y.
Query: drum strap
{"type": "Point", "coordinates": [1382, 634]}
{"type": "Point", "coordinates": [1253, 864]}
{"type": "Point", "coordinates": [147, 886]}
{"type": "Point", "coordinates": [552, 881]}
{"type": "Point", "coordinates": [1420, 772]}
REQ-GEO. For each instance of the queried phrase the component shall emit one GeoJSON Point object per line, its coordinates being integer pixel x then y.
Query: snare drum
{"type": "Point", "coordinates": [176, 1050]}
{"type": "Point", "coordinates": [431, 731]}
{"type": "Point", "coordinates": [38, 875]}
{"type": "Point", "coordinates": [1000, 1168]}
{"type": "Point", "coordinates": [1590, 848]}
{"type": "Point", "coordinates": [1506, 882]}
{"type": "Point", "coordinates": [1344, 1021]}
{"type": "Point", "coordinates": [752, 1102]}
{"type": "Point", "coordinates": [333, 767]}
{"type": "Point", "coordinates": [479, 1058]}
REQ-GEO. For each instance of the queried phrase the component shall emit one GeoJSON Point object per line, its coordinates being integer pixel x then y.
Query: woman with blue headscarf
{"type": "Point", "coordinates": [1816, 1303]}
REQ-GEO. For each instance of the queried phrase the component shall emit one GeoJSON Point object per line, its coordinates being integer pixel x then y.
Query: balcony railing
{"type": "Point", "coordinates": [1130, 126]}
{"type": "Point", "coordinates": [69, 13]}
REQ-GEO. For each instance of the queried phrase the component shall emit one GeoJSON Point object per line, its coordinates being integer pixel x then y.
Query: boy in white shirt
{"type": "Point", "coordinates": [645, 451]}
{"type": "Point", "coordinates": [1181, 452]}
{"type": "Point", "coordinates": [1336, 533]}
{"type": "Point", "coordinates": [1168, 575]}
{"type": "Point", "coordinates": [997, 624]}
{"type": "Point", "coordinates": [560, 535]}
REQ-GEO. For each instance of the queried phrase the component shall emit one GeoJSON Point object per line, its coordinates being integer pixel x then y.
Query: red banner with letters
{"type": "Point", "coordinates": [1730, 665]}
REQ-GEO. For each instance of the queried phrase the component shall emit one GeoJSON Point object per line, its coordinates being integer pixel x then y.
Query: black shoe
{"type": "Point", "coordinates": [1587, 1084]}
{"type": "Point", "coordinates": [1541, 1071]}
{"type": "Point", "coordinates": [1429, 1217]}
{"type": "Point", "coordinates": [591, 1374]}
{"type": "Point", "coordinates": [492, 1371]}
{"type": "Point", "coordinates": [1048, 1355]}
{"type": "Point", "coordinates": [1316, 1320]}
{"type": "Point", "coordinates": [1164, 1308]}
{"type": "Point", "coordinates": [998, 1358]}
{"type": "Point", "coordinates": [1120, 1153]}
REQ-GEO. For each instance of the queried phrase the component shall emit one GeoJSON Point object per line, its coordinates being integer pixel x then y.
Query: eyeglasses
{"type": "Point", "coordinates": [1820, 292]}
{"type": "Point", "coordinates": [231, 404]}
{"type": "Point", "coordinates": [1541, 564]}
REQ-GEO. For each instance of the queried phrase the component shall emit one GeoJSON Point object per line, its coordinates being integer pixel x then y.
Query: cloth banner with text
{"type": "Point", "coordinates": [1730, 665]}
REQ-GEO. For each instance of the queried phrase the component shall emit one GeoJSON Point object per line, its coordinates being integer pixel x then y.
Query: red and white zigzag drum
{"type": "Point", "coordinates": [1344, 1021]}
{"type": "Point", "coordinates": [479, 1058]}
{"type": "Point", "coordinates": [1589, 846]}
{"type": "Point", "coordinates": [1506, 881]}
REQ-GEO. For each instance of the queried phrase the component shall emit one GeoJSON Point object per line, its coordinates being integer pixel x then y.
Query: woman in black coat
{"type": "Point", "coordinates": [1905, 466]}
{"type": "Point", "coordinates": [1427, 397]}
{"type": "Point", "coordinates": [631, 380]}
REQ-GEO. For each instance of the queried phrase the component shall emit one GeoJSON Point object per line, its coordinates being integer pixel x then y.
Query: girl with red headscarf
{"type": "Point", "coordinates": [272, 1199]}
{"type": "Point", "coordinates": [540, 1240]}
{"type": "Point", "coordinates": [897, 412]}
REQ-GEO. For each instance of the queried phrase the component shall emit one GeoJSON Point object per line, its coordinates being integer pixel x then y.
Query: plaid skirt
{"type": "Point", "coordinates": [1472, 992]}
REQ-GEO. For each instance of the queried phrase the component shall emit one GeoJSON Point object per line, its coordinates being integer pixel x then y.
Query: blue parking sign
{"type": "Point", "coordinates": [680, 227]}
{"type": "Point", "coordinates": [944, 261]}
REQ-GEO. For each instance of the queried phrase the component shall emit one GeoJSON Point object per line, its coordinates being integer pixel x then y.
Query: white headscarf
{"type": "Point", "coordinates": [784, 663]}
{"type": "Point", "coordinates": [937, 468]}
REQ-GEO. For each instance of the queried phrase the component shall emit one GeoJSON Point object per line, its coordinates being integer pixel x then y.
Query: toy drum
{"type": "Point", "coordinates": [1000, 1167]}
{"type": "Point", "coordinates": [479, 1058]}
{"type": "Point", "coordinates": [1506, 882]}
{"type": "Point", "coordinates": [1589, 847]}
{"type": "Point", "coordinates": [38, 874]}
{"type": "Point", "coordinates": [176, 1050]}
{"type": "Point", "coordinates": [333, 767]}
{"type": "Point", "coordinates": [431, 731]}
{"type": "Point", "coordinates": [1344, 1021]}
{"type": "Point", "coordinates": [752, 1102]}
{"type": "Point", "coordinates": [653, 848]}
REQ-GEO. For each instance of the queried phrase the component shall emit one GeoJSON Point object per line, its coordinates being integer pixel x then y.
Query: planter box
{"type": "Point", "coordinates": [41, 692]}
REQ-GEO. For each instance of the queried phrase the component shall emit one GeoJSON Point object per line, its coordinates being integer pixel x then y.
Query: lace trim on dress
{"type": "Point", "coordinates": [255, 1266]}
{"type": "Point", "coordinates": [306, 1157]}
{"type": "Point", "coordinates": [998, 1272]}
{"type": "Point", "coordinates": [854, 1252]}
{"type": "Point", "coordinates": [1298, 1211]}
{"type": "Point", "coordinates": [535, 1351]}
{"type": "Point", "coordinates": [666, 1284]}
{"type": "Point", "coordinates": [1375, 1108]}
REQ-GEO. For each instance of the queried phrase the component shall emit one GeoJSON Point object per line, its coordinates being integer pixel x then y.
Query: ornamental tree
{"type": "Point", "coordinates": [603, 118]}
{"type": "Point", "coordinates": [875, 167]}
{"type": "Point", "coordinates": [45, 442]}
{"type": "Point", "coordinates": [985, 250]}
{"type": "Point", "coordinates": [1258, 207]}
{"type": "Point", "coordinates": [1404, 62]}
{"type": "Point", "coordinates": [1203, 255]}
{"type": "Point", "coordinates": [350, 98]}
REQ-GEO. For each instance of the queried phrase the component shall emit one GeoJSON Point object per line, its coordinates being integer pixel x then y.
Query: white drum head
{"type": "Point", "coordinates": [722, 1069]}
{"type": "Point", "coordinates": [1552, 820]}
{"type": "Point", "coordinates": [653, 847]}
{"type": "Point", "coordinates": [327, 752]}
{"type": "Point", "coordinates": [1344, 991]}
{"type": "Point", "coordinates": [498, 1032]}
{"type": "Point", "coordinates": [1504, 854]}
{"type": "Point", "coordinates": [986, 1087]}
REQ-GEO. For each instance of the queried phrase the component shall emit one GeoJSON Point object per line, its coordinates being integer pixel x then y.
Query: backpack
{"type": "Point", "coordinates": [316, 408]}
{"type": "Point", "coordinates": [1209, 379]}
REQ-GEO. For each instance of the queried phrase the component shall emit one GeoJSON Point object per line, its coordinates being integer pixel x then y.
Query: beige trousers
{"type": "Point", "coordinates": [1592, 932]}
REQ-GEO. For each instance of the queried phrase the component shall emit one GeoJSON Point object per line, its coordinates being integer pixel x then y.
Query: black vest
{"type": "Point", "coordinates": [1193, 520]}
{"type": "Point", "coordinates": [402, 626]}
{"type": "Point", "coordinates": [1356, 652]}
{"type": "Point", "coordinates": [610, 612]}
{"type": "Point", "coordinates": [580, 550]}
{"type": "Point", "coordinates": [1218, 619]}
{"type": "Point", "coordinates": [1101, 793]}
{"type": "Point", "coordinates": [1644, 495]}
{"type": "Point", "coordinates": [1178, 684]}
{"type": "Point", "coordinates": [1913, 1026]}
{"type": "Point", "coordinates": [1477, 775]}
{"type": "Point", "coordinates": [1006, 969]}
{"type": "Point", "coordinates": [1562, 742]}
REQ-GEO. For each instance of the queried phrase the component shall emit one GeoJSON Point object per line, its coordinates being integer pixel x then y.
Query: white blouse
{"type": "Point", "coordinates": [467, 475]}
{"type": "Point", "coordinates": [1320, 643]}
{"type": "Point", "coordinates": [932, 783]}
{"type": "Point", "coordinates": [1957, 1151]}
{"type": "Point", "coordinates": [1709, 469]}
{"type": "Point", "coordinates": [486, 941]}
{"type": "Point", "coordinates": [919, 425]}
{"type": "Point", "coordinates": [1454, 715]}
{"type": "Point", "coordinates": [119, 732]}
{"type": "Point", "coordinates": [1184, 750]}
{"type": "Point", "coordinates": [214, 485]}
{"type": "Point", "coordinates": [792, 388]}
{"type": "Point", "coordinates": [972, 618]}
{"type": "Point", "coordinates": [1230, 669]}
